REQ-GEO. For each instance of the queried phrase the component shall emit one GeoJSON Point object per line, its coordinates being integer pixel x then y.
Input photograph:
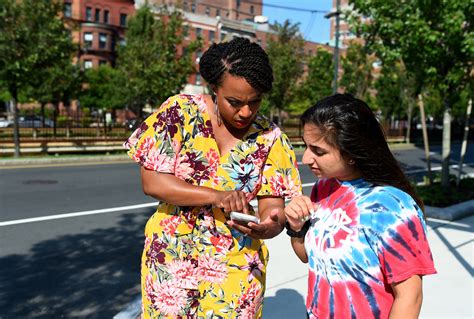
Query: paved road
{"type": "Point", "coordinates": [88, 265]}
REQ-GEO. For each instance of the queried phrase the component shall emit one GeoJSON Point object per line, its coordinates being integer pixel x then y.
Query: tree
{"type": "Point", "coordinates": [435, 40]}
{"type": "Point", "coordinates": [32, 38]}
{"type": "Point", "coordinates": [317, 83]}
{"type": "Point", "coordinates": [357, 71]}
{"type": "Point", "coordinates": [103, 89]}
{"type": "Point", "coordinates": [56, 84]}
{"type": "Point", "coordinates": [286, 56]}
{"type": "Point", "coordinates": [149, 62]}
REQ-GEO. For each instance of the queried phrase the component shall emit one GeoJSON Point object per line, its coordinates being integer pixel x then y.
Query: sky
{"type": "Point", "coordinates": [313, 26]}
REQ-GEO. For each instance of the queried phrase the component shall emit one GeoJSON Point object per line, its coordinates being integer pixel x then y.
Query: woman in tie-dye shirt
{"type": "Point", "coordinates": [362, 231]}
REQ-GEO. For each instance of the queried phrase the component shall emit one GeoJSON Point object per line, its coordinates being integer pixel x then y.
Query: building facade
{"type": "Point", "coordinates": [98, 26]}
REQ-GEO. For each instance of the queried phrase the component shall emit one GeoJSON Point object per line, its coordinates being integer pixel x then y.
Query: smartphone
{"type": "Point", "coordinates": [243, 218]}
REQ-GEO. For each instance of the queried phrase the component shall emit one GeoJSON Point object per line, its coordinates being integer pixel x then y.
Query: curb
{"type": "Point", "coordinates": [453, 212]}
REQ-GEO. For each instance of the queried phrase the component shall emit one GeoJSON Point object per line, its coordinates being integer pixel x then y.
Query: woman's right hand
{"type": "Point", "coordinates": [298, 211]}
{"type": "Point", "coordinates": [232, 201]}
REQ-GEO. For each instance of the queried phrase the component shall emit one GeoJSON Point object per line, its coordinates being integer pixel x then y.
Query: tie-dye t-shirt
{"type": "Point", "coordinates": [364, 239]}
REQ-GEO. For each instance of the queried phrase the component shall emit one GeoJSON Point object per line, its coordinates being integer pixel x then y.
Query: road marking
{"type": "Point", "coordinates": [65, 164]}
{"type": "Point", "coordinates": [69, 215]}
{"type": "Point", "coordinates": [93, 212]}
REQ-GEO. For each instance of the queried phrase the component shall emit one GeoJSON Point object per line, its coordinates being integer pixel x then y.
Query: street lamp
{"type": "Point", "coordinates": [336, 44]}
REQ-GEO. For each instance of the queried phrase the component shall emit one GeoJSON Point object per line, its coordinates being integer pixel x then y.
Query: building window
{"type": "Point", "coordinates": [122, 42]}
{"type": "Point", "coordinates": [185, 6]}
{"type": "Point", "coordinates": [123, 20]}
{"type": "Point", "coordinates": [88, 38]}
{"type": "Point", "coordinates": [193, 7]}
{"type": "Point", "coordinates": [106, 16]}
{"type": "Point", "coordinates": [198, 79]}
{"type": "Point", "coordinates": [251, 10]}
{"type": "Point", "coordinates": [102, 40]}
{"type": "Point", "coordinates": [212, 36]}
{"type": "Point", "coordinates": [88, 64]}
{"type": "Point", "coordinates": [223, 35]}
{"type": "Point", "coordinates": [198, 32]}
{"type": "Point", "coordinates": [88, 14]}
{"type": "Point", "coordinates": [97, 15]}
{"type": "Point", "coordinates": [218, 12]}
{"type": "Point", "coordinates": [208, 11]}
{"type": "Point", "coordinates": [102, 62]}
{"type": "Point", "coordinates": [67, 10]}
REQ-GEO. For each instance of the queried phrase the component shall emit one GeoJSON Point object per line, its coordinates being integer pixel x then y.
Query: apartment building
{"type": "Point", "coordinates": [98, 26]}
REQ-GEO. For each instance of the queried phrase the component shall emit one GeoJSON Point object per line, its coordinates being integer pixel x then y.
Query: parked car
{"type": "Point", "coordinates": [5, 123]}
{"type": "Point", "coordinates": [34, 121]}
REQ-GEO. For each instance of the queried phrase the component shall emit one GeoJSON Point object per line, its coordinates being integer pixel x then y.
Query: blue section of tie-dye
{"type": "Point", "coordinates": [380, 211]}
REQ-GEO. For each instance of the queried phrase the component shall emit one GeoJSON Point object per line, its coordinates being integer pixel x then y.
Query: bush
{"type": "Point", "coordinates": [438, 196]}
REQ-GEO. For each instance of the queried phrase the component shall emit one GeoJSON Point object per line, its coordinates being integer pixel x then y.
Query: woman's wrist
{"type": "Point", "coordinates": [298, 233]}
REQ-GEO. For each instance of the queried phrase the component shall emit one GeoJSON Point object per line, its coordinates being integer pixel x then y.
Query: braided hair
{"type": "Point", "coordinates": [239, 57]}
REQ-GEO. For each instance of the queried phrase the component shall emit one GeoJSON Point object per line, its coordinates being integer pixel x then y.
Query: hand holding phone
{"type": "Point", "coordinates": [243, 218]}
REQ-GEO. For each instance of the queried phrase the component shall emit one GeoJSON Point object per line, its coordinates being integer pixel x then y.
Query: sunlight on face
{"type": "Point", "coordinates": [238, 101]}
{"type": "Point", "coordinates": [325, 160]}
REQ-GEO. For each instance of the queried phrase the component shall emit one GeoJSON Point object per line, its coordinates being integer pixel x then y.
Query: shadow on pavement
{"type": "Point", "coordinates": [91, 275]}
{"type": "Point", "coordinates": [464, 225]}
{"type": "Point", "coordinates": [287, 303]}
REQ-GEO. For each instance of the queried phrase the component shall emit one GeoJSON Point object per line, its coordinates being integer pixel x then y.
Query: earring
{"type": "Point", "coordinates": [351, 162]}
{"type": "Point", "coordinates": [216, 111]}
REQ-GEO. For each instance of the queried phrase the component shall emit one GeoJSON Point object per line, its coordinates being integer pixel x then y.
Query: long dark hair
{"type": "Point", "coordinates": [239, 57]}
{"type": "Point", "coordinates": [350, 125]}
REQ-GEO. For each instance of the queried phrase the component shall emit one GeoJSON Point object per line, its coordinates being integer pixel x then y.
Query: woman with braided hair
{"type": "Point", "coordinates": [203, 157]}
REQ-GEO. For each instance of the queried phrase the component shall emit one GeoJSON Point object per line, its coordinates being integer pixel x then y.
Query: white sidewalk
{"type": "Point", "coordinates": [448, 294]}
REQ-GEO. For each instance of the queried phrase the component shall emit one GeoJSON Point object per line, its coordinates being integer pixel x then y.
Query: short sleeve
{"type": "Point", "coordinates": [403, 246]}
{"type": "Point", "coordinates": [156, 143]}
{"type": "Point", "coordinates": [280, 174]}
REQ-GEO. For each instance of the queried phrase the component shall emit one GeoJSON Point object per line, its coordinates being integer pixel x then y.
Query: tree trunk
{"type": "Point", "coordinates": [425, 138]}
{"type": "Point", "coordinates": [55, 119]}
{"type": "Point", "coordinates": [446, 143]}
{"type": "Point", "coordinates": [16, 127]}
{"type": "Point", "coordinates": [464, 141]}
{"type": "Point", "coordinates": [42, 114]}
{"type": "Point", "coordinates": [408, 131]}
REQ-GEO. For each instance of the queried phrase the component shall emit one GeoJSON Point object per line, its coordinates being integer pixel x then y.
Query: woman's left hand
{"type": "Point", "coordinates": [267, 228]}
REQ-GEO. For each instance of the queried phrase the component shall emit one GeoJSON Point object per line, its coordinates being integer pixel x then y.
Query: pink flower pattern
{"type": "Point", "coordinates": [187, 250]}
{"type": "Point", "coordinates": [212, 269]}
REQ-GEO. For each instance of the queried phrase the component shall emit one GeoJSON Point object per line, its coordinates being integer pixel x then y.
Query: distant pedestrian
{"type": "Point", "coordinates": [204, 156]}
{"type": "Point", "coordinates": [362, 231]}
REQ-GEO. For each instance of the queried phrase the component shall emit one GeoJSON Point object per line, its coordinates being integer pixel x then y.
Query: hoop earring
{"type": "Point", "coordinates": [216, 111]}
{"type": "Point", "coordinates": [351, 162]}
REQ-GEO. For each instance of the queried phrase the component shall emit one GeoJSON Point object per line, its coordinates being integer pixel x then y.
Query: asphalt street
{"type": "Point", "coordinates": [71, 235]}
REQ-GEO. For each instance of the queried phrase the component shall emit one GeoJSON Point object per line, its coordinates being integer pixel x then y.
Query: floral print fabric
{"type": "Point", "coordinates": [193, 265]}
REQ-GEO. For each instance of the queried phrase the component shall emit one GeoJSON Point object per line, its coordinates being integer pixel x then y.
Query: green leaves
{"type": "Point", "coordinates": [33, 39]}
{"type": "Point", "coordinates": [153, 62]}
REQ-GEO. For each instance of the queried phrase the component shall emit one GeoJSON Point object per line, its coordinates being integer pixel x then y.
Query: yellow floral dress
{"type": "Point", "coordinates": [193, 264]}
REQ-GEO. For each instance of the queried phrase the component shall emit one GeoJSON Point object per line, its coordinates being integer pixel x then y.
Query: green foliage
{"type": "Point", "coordinates": [434, 38]}
{"type": "Point", "coordinates": [103, 89]}
{"type": "Point", "coordinates": [149, 62]}
{"type": "Point", "coordinates": [318, 82]}
{"type": "Point", "coordinates": [58, 83]}
{"type": "Point", "coordinates": [286, 57]}
{"type": "Point", "coordinates": [394, 90]}
{"type": "Point", "coordinates": [357, 71]}
{"type": "Point", "coordinates": [438, 196]}
{"type": "Point", "coordinates": [32, 39]}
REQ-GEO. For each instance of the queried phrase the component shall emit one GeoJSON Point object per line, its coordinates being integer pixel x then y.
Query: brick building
{"type": "Point", "coordinates": [98, 26]}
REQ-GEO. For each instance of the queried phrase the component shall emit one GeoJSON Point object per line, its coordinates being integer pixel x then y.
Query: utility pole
{"type": "Point", "coordinates": [336, 43]}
